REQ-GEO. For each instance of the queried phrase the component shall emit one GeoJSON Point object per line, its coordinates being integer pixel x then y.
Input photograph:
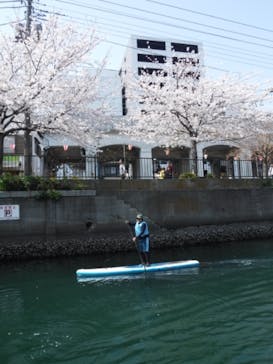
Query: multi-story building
{"type": "Point", "coordinates": [146, 54]}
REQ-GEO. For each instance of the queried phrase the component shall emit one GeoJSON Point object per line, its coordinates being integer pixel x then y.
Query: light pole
{"type": "Point", "coordinates": [205, 168]}
{"type": "Point", "coordinates": [124, 154]}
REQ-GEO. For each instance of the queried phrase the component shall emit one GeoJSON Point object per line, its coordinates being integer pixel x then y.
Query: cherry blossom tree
{"type": "Point", "coordinates": [180, 106]}
{"type": "Point", "coordinates": [44, 86]}
{"type": "Point", "coordinates": [261, 146]}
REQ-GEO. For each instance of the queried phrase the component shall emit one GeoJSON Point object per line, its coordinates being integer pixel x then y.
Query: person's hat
{"type": "Point", "coordinates": [139, 216]}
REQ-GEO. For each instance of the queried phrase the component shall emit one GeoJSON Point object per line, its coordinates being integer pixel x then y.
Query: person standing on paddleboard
{"type": "Point", "coordinates": [142, 238]}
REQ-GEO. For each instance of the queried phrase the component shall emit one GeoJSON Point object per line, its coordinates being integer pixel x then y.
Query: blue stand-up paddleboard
{"type": "Point", "coordinates": [83, 274]}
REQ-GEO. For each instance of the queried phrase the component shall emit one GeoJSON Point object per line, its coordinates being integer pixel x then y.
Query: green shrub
{"type": "Point", "coordinates": [47, 184]}
{"type": "Point", "coordinates": [187, 175]}
{"type": "Point", "coordinates": [78, 184]}
{"type": "Point", "coordinates": [9, 182]}
{"type": "Point", "coordinates": [47, 187]}
{"type": "Point", "coordinates": [267, 182]}
{"type": "Point", "coordinates": [48, 195]}
{"type": "Point", "coordinates": [210, 175]}
{"type": "Point", "coordinates": [31, 182]}
{"type": "Point", "coordinates": [65, 184]}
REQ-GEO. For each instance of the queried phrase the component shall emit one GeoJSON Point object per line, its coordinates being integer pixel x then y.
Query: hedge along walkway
{"type": "Point", "coordinates": [97, 243]}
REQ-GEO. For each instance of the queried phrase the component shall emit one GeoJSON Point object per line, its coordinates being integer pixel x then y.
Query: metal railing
{"type": "Point", "coordinates": [138, 168]}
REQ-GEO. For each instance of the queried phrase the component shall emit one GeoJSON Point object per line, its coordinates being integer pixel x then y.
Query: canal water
{"type": "Point", "coordinates": [219, 313]}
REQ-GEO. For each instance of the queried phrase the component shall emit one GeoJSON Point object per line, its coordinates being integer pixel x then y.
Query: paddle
{"type": "Point", "coordinates": [132, 236]}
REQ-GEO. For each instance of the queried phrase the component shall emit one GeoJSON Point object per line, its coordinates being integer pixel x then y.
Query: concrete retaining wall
{"type": "Point", "coordinates": [93, 220]}
{"type": "Point", "coordinates": [109, 203]}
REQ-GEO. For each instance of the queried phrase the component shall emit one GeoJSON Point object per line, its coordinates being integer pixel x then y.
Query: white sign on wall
{"type": "Point", "coordinates": [9, 212]}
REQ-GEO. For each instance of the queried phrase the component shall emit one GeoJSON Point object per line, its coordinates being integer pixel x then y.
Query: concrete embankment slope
{"type": "Point", "coordinates": [178, 211]}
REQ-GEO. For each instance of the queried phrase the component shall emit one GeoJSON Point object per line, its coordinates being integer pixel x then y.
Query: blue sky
{"type": "Point", "coordinates": [237, 35]}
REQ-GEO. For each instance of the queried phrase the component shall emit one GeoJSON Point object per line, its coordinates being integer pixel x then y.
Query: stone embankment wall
{"type": "Point", "coordinates": [35, 247]}
{"type": "Point", "coordinates": [179, 213]}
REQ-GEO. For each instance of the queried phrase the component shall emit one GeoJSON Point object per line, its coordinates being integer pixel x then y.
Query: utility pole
{"type": "Point", "coordinates": [28, 138]}
{"type": "Point", "coordinates": [28, 17]}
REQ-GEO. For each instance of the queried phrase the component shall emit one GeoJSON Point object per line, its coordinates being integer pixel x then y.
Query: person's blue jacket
{"type": "Point", "coordinates": [141, 230]}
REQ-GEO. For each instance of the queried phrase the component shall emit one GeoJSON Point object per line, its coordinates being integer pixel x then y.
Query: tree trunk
{"type": "Point", "coordinates": [28, 146]}
{"type": "Point", "coordinates": [193, 157]}
{"type": "Point", "coordinates": [2, 136]}
{"type": "Point", "coordinates": [266, 168]}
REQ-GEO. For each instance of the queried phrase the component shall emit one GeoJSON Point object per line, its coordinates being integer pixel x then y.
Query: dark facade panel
{"type": "Point", "coordinates": [150, 71]}
{"type": "Point", "coordinates": [152, 44]}
{"type": "Point", "coordinates": [186, 61]}
{"type": "Point", "coordinates": [151, 58]}
{"type": "Point", "coordinates": [187, 48]}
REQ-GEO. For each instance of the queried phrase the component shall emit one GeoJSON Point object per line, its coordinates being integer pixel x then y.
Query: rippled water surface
{"type": "Point", "coordinates": [220, 313]}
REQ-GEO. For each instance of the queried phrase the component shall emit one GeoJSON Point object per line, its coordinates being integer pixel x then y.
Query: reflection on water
{"type": "Point", "coordinates": [220, 313]}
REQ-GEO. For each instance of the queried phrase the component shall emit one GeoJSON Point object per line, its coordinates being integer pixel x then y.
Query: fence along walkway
{"type": "Point", "coordinates": [138, 168]}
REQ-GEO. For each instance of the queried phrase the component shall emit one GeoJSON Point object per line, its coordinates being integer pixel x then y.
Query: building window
{"type": "Point", "coordinates": [148, 70]}
{"type": "Point", "coordinates": [186, 61]}
{"type": "Point", "coordinates": [151, 44]}
{"type": "Point", "coordinates": [186, 48]}
{"type": "Point", "coordinates": [151, 58]}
